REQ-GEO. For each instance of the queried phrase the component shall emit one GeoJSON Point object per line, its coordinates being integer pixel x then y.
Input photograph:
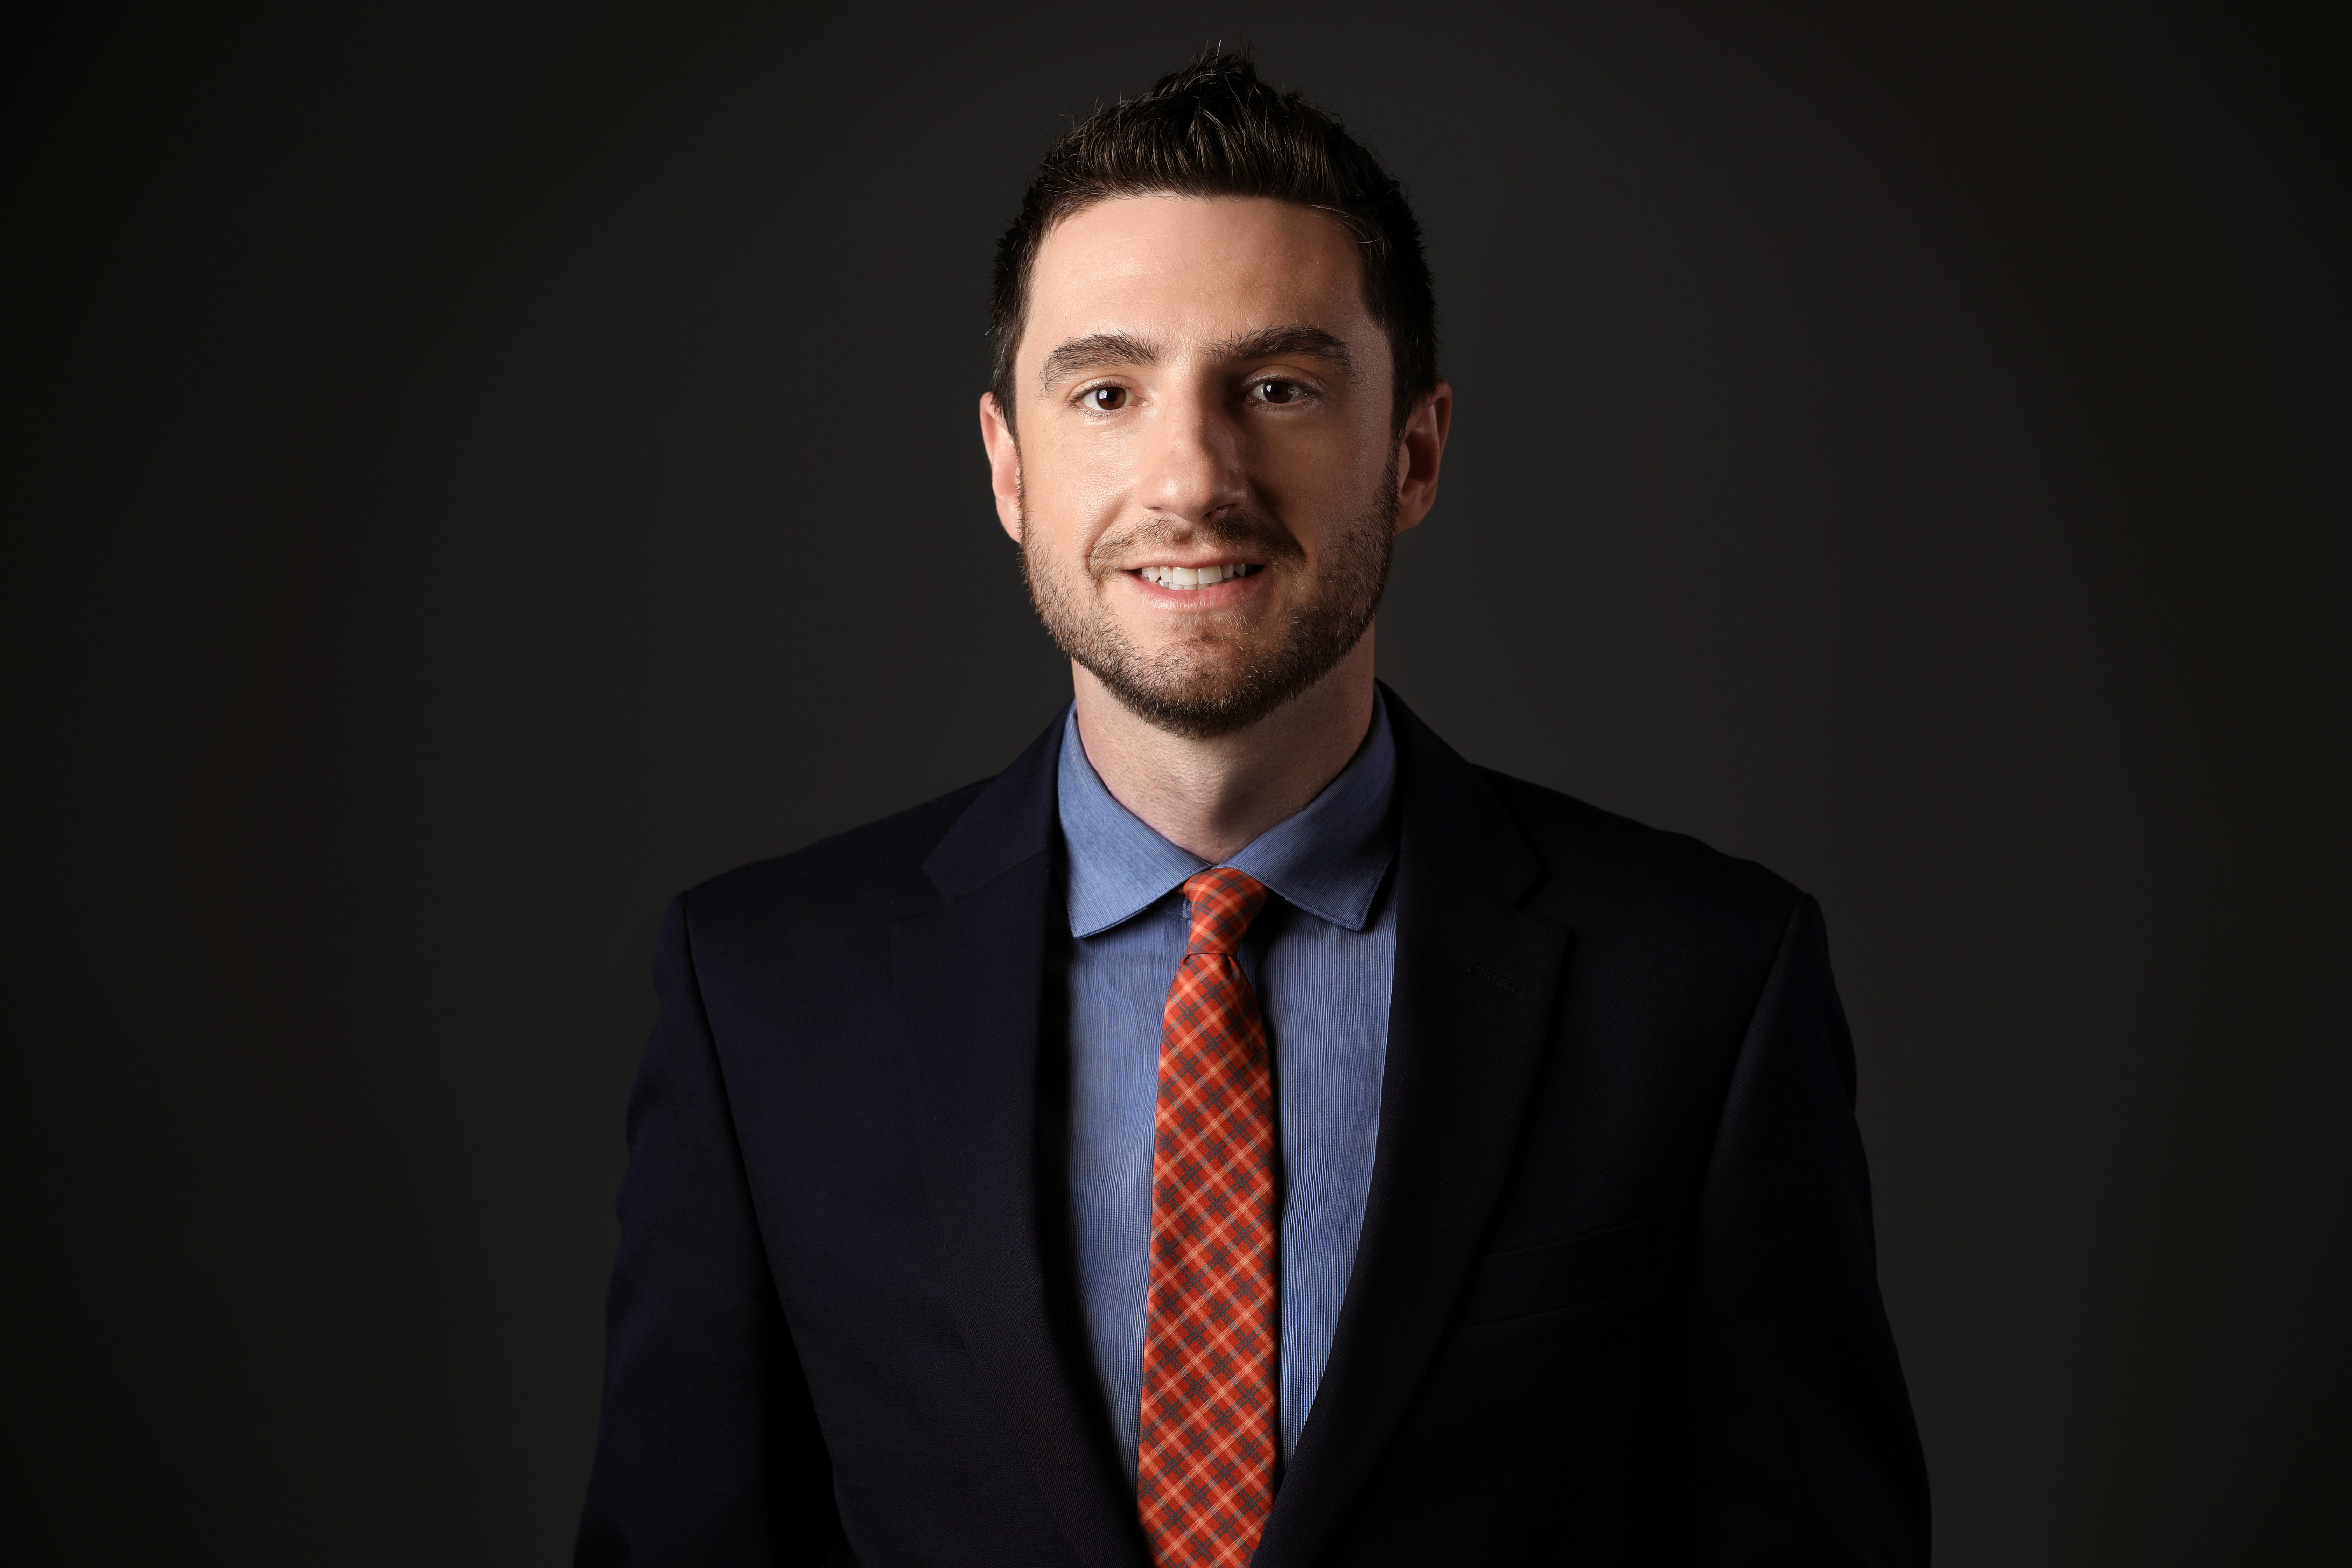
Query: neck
{"type": "Point", "coordinates": [1211, 797]}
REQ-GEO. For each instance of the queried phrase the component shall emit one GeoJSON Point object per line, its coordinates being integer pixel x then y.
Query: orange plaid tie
{"type": "Point", "coordinates": [1205, 1466]}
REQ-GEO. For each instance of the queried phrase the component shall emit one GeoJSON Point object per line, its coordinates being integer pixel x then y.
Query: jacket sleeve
{"type": "Point", "coordinates": [708, 1452]}
{"type": "Point", "coordinates": [1801, 1443]}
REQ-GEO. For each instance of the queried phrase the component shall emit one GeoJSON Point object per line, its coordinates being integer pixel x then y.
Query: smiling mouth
{"type": "Point", "coordinates": [1184, 577]}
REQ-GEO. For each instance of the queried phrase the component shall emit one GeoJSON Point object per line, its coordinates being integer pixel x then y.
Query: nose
{"type": "Point", "coordinates": [1191, 462]}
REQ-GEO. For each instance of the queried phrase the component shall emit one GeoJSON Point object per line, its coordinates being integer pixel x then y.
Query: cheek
{"type": "Point", "coordinates": [1073, 496]}
{"type": "Point", "coordinates": [1325, 478]}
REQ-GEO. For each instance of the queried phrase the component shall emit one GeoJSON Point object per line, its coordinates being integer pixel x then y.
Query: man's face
{"type": "Point", "coordinates": [1208, 476]}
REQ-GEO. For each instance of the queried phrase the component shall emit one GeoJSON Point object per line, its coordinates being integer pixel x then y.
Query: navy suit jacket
{"type": "Point", "coordinates": [1615, 1301]}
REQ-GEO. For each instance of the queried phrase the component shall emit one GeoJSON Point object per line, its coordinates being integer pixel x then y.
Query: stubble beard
{"type": "Point", "coordinates": [1222, 679]}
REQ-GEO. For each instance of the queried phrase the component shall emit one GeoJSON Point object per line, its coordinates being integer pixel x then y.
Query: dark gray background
{"type": "Point", "coordinates": [472, 471]}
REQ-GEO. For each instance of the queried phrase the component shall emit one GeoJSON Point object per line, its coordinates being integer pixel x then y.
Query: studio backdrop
{"type": "Point", "coordinates": [473, 472]}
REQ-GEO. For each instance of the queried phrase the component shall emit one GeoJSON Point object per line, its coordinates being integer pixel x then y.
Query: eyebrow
{"type": "Point", "coordinates": [1099, 348]}
{"type": "Point", "coordinates": [1079, 354]}
{"type": "Point", "coordinates": [1288, 343]}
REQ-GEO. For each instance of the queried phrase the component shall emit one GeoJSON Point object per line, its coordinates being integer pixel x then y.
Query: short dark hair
{"type": "Point", "coordinates": [1215, 129]}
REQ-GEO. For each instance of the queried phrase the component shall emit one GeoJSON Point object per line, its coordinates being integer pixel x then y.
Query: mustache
{"type": "Point", "coordinates": [1242, 533]}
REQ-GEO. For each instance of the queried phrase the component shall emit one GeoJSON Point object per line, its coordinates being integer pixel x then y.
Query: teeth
{"type": "Point", "coordinates": [1194, 576]}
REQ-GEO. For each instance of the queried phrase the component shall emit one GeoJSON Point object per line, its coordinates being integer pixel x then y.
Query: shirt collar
{"type": "Point", "coordinates": [1328, 859]}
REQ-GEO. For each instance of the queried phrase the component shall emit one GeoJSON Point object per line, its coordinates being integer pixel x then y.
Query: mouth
{"type": "Point", "coordinates": [1189, 579]}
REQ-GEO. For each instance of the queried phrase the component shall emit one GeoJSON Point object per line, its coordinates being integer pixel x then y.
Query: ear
{"type": "Point", "coordinates": [1003, 464]}
{"type": "Point", "coordinates": [1420, 447]}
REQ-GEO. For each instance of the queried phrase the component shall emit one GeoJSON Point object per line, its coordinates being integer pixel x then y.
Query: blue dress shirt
{"type": "Point", "coordinates": [1321, 955]}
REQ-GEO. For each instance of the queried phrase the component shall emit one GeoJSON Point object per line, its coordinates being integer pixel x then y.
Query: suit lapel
{"type": "Point", "coordinates": [969, 978]}
{"type": "Point", "coordinates": [1475, 976]}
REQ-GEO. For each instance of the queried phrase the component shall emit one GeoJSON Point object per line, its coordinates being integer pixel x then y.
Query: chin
{"type": "Point", "coordinates": [1199, 699]}
{"type": "Point", "coordinates": [1189, 676]}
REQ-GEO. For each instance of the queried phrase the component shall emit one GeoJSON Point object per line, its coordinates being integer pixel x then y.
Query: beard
{"type": "Point", "coordinates": [1224, 676]}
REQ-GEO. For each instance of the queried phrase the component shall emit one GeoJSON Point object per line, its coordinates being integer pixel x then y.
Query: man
{"type": "Point", "coordinates": [1242, 1131]}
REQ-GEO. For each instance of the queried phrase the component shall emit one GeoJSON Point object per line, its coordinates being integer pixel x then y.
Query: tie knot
{"type": "Point", "coordinates": [1224, 903]}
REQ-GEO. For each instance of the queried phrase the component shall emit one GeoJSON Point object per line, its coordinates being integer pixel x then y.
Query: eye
{"type": "Point", "coordinates": [1277, 392]}
{"type": "Point", "coordinates": [1103, 399]}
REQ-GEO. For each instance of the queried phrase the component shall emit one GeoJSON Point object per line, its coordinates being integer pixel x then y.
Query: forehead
{"type": "Point", "coordinates": [1193, 268]}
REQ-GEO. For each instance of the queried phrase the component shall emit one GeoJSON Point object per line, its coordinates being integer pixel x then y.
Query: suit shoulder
{"type": "Point", "coordinates": [873, 870]}
{"type": "Point", "coordinates": [1601, 853]}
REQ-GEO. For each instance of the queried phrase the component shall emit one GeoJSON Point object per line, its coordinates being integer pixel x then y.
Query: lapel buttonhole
{"type": "Point", "coordinates": [1492, 978]}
